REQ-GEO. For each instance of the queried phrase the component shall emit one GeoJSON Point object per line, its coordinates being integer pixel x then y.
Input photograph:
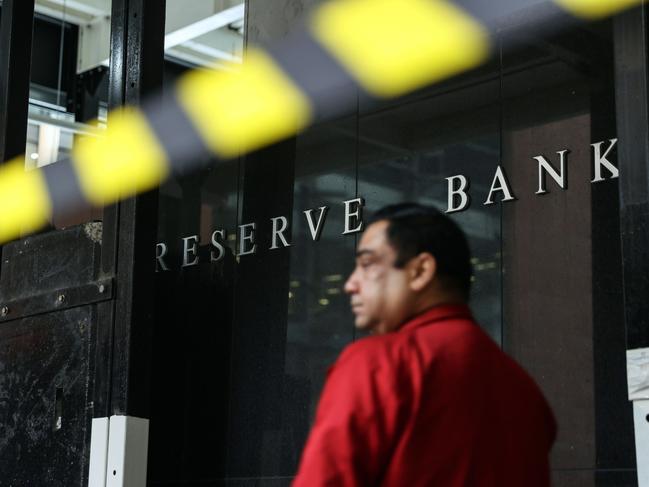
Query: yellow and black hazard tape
{"type": "Point", "coordinates": [380, 48]}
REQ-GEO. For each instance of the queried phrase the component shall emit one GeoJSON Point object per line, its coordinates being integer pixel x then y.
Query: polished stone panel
{"type": "Point", "coordinates": [563, 304]}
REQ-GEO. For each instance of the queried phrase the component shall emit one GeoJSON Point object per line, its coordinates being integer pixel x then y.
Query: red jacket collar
{"type": "Point", "coordinates": [441, 312]}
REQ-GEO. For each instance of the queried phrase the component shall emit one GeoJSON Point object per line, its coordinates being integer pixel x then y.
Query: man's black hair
{"type": "Point", "coordinates": [414, 228]}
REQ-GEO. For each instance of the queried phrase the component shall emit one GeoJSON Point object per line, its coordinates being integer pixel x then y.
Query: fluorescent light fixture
{"type": "Point", "coordinates": [74, 11]}
{"type": "Point", "coordinates": [212, 52]}
{"type": "Point", "coordinates": [203, 26]}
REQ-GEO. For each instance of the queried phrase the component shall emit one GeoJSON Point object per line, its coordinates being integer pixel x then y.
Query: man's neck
{"type": "Point", "coordinates": [433, 301]}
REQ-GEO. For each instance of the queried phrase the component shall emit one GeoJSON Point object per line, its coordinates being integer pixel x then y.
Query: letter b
{"type": "Point", "coordinates": [458, 192]}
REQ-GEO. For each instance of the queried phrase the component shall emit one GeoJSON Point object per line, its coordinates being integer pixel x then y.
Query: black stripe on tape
{"type": "Point", "coordinates": [330, 88]}
{"type": "Point", "coordinates": [64, 189]}
{"type": "Point", "coordinates": [176, 134]}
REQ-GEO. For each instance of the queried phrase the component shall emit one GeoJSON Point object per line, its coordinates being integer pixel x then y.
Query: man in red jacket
{"type": "Point", "coordinates": [429, 399]}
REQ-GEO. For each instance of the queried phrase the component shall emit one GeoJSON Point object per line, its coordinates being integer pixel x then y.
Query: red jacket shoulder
{"type": "Point", "coordinates": [374, 351]}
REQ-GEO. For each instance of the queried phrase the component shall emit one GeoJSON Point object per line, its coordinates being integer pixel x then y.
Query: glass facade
{"type": "Point", "coordinates": [254, 332]}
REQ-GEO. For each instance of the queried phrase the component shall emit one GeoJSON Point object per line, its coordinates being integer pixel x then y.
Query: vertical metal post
{"type": "Point", "coordinates": [125, 324]}
{"type": "Point", "coordinates": [16, 30]}
{"type": "Point", "coordinates": [633, 158]}
{"type": "Point", "coordinates": [137, 55]}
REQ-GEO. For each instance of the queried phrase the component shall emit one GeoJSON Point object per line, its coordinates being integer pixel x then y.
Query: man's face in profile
{"type": "Point", "coordinates": [381, 298]}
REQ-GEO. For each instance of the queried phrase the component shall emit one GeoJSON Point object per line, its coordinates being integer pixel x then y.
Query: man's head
{"type": "Point", "coordinates": [410, 258]}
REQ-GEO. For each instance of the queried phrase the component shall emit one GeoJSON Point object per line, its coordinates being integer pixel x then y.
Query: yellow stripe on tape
{"type": "Point", "coordinates": [594, 9]}
{"type": "Point", "coordinates": [246, 109]}
{"type": "Point", "coordinates": [395, 46]}
{"type": "Point", "coordinates": [128, 159]}
{"type": "Point", "coordinates": [24, 200]}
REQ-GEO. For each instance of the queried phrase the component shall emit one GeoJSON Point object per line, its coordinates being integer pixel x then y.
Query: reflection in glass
{"type": "Point", "coordinates": [68, 94]}
{"type": "Point", "coordinates": [406, 153]}
{"type": "Point", "coordinates": [208, 34]}
{"type": "Point", "coordinates": [195, 310]}
{"type": "Point", "coordinates": [319, 318]}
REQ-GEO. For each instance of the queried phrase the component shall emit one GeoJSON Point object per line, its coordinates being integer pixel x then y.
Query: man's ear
{"type": "Point", "coordinates": [423, 269]}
